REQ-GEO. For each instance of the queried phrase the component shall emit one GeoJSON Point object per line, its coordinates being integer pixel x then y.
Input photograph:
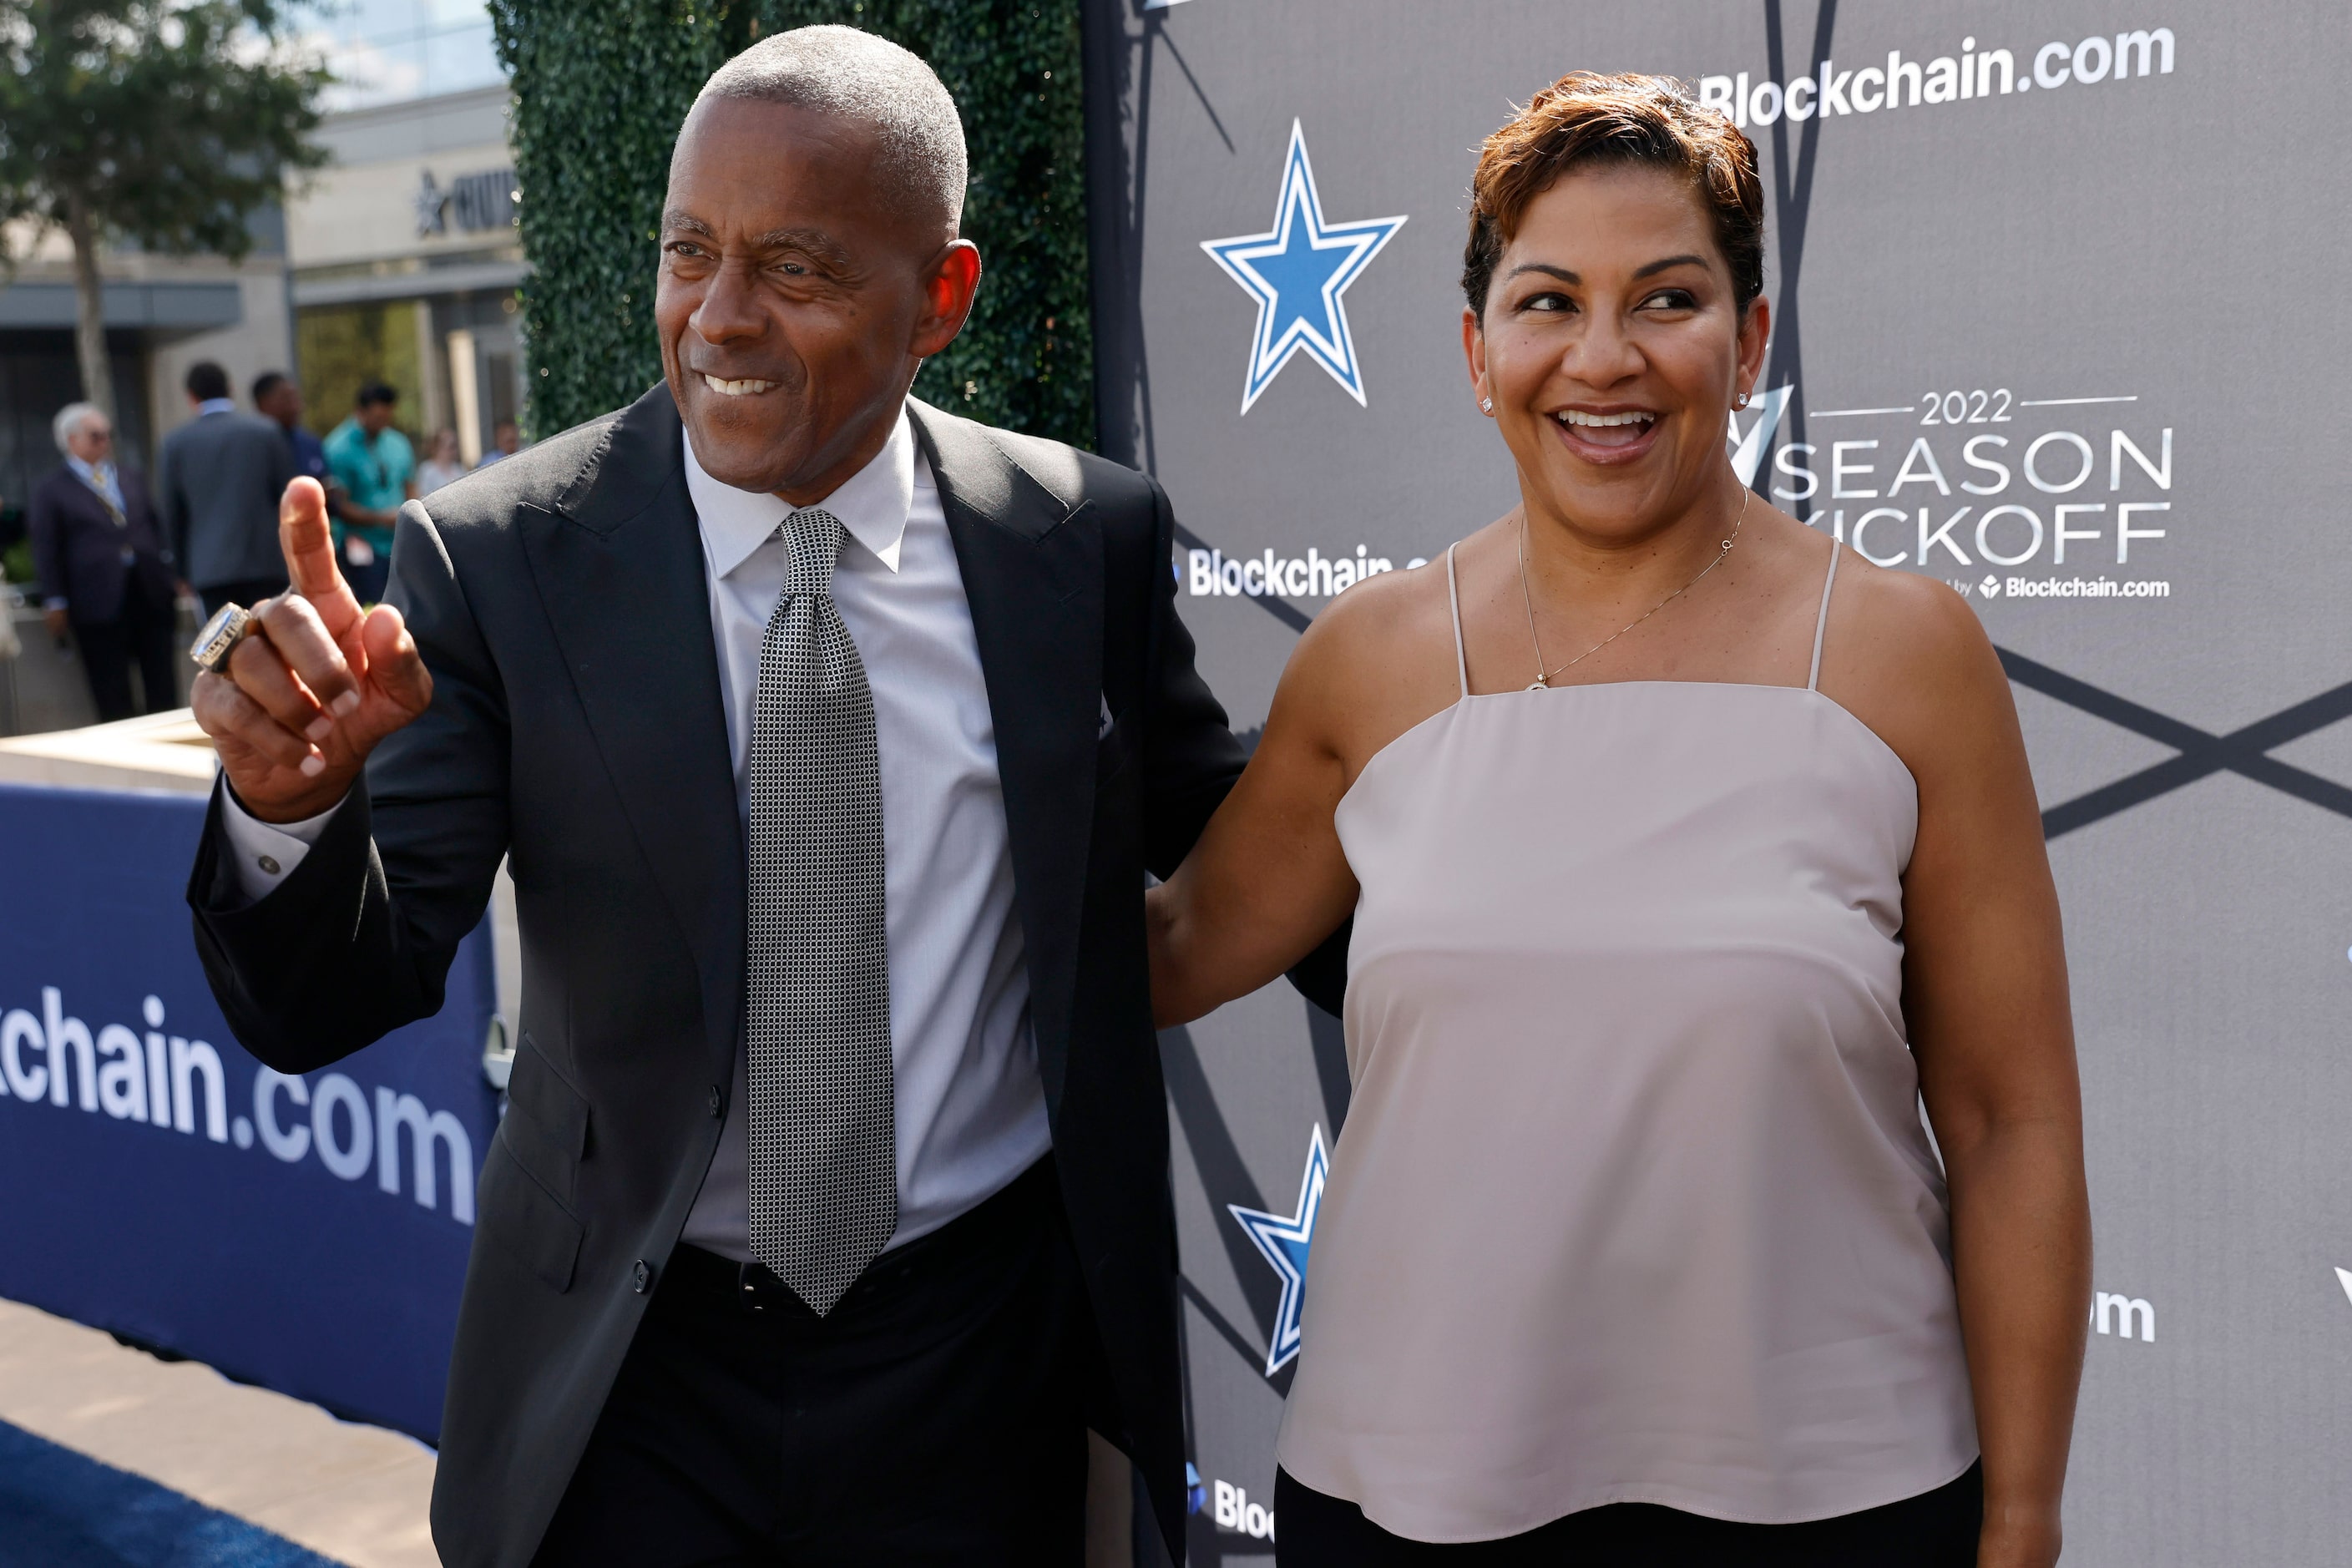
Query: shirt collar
{"type": "Point", "coordinates": [91, 474]}
{"type": "Point", "coordinates": [215, 405]}
{"type": "Point", "coordinates": [872, 505]}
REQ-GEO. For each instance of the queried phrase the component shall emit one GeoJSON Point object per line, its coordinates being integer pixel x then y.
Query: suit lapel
{"type": "Point", "coordinates": [620, 571]}
{"type": "Point", "coordinates": [1034, 585]}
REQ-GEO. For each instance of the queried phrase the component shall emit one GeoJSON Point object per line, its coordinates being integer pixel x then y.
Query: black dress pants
{"type": "Point", "coordinates": [141, 633]}
{"type": "Point", "coordinates": [1934, 1529]}
{"type": "Point", "coordinates": [936, 1417]}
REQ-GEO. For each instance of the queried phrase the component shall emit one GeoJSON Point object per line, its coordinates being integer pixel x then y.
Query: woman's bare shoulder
{"type": "Point", "coordinates": [1378, 660]}
{"type": "Point", "coordinates": [1909, 657]}
{"type": "Point", "coordinates": [1381, 608]}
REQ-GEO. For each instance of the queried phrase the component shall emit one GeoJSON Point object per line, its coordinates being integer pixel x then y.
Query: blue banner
{"type": "Point", "coordinates": [305, 1234]}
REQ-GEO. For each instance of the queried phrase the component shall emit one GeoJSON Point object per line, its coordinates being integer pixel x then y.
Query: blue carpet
{"type": "Point", "coordinates": [60, 1510]}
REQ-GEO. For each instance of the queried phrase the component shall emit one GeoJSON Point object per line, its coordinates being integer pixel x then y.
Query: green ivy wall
{"type": "Point", "coordinates": [599, 91]}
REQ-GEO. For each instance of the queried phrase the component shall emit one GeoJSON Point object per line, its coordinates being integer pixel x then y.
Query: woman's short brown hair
{"type": "Point", "coordinates": [1584, 117]}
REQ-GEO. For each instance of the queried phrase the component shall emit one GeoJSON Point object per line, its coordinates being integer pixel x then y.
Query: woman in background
{"type": "Point", "coordinates": [1688, 855]}
{"type": "Point", "coordinates": [441, 465]}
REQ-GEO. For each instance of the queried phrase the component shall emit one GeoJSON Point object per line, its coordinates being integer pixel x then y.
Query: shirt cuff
{"type": "Point", "coordinates": [266, 853]}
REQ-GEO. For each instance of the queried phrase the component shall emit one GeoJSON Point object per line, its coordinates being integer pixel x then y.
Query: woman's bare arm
{"type": "Point", "coordinates": [1986, 1003]}
{"type": "Point", "coordinates": [1268, 880]}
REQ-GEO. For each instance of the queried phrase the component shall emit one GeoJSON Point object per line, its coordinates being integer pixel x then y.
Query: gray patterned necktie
{"type": "Point", "coordinates": [824, 1154]}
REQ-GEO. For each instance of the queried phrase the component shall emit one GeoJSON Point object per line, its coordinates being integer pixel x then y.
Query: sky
{"type": "Point", "coordinates": [387, 51]}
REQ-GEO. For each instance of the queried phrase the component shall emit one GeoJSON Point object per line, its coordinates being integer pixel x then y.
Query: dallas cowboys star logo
{"type": "Point", "coordinates": [1297, 272]}
{"type": "Point", "coordinates": [1283, 1241]}
{"type": "Point", "coordinates": [431, 205]}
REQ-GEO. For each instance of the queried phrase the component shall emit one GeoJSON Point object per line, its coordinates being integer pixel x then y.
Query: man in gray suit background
{"type": "Point", "coordinates": [218, 480]}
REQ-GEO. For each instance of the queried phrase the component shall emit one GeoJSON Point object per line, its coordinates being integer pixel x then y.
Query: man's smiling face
{"type": "Point", "coordinates": [798, 293]}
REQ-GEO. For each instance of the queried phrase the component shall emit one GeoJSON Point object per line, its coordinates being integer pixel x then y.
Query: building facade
{"type": "Point", "coordinates": [404, 260]}
{"type": "Point", "coordinates": [398, 262]}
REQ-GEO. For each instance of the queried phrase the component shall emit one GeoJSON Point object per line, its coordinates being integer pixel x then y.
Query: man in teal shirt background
{"type": "Point", "coordinates": [375, 467]}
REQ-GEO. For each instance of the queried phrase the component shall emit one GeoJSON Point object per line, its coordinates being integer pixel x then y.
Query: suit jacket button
{"type": "Point", "coordinates": [717, 1100]}
{"type": "Point", "coordinates": [641, 1277]}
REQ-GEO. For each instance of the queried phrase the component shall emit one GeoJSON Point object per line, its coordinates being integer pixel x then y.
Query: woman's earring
{"type": "Point", "coordinates": [1486, 404]}
{"type": "Point", "coordinates": [1743, 401]}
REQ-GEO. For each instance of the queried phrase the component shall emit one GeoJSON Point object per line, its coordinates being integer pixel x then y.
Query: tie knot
{"type": "Point", "coordinates": [813, 536]}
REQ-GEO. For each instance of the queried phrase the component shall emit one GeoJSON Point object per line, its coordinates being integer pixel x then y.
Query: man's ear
{"type": "Point", "coordinates": [949, 289]}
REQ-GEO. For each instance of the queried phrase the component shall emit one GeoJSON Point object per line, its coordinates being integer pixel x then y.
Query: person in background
{"type": "Point", "coordinates": [442, 466]}
{"type": "Point", "coordinates": [505, 441]}
{"type": "Point", "coordinates": [277, 397]}
{"type": "Point", "coordinates": [217, 480]}
{"type": "Point", "coordinates": [375, 467]}
{"type": "Point", "coordinates": [106, 573]}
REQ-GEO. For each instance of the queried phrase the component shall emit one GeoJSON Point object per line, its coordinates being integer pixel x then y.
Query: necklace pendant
{"type": "Point", "coordinates": [1540, 684]}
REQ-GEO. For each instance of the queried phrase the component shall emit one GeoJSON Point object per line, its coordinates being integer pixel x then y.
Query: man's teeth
{"type": "Point", "coordinates": [736, 388]}
{"type": "Point", "coordinates": [1602, 421]}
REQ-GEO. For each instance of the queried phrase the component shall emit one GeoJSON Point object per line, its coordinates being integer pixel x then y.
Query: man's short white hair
{"type": "Point", "coordinates": [840, 70]}
{"type": "Point", "coordinates": [69, 420]}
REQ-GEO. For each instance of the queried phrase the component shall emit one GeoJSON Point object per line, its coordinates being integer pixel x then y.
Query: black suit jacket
{"type": "Point", "coordinates": [576, 724]}
{"type": "Point", "coordinates": [77, 546]}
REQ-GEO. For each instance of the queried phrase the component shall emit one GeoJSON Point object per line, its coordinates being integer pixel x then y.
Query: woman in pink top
{"type": "Point", "coordinates": [1689, 856]}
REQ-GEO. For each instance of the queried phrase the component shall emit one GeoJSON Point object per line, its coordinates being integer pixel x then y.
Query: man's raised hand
{"type": "Point", "coordinates": [315, 684]}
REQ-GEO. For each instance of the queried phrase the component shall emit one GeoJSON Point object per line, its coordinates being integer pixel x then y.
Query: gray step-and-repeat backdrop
{"type": "Point", "coordinates": [2064, 307]}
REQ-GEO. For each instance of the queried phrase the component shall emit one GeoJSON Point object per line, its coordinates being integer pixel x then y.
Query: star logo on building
{"type": "Point", "coordinates": [431, 204]}
{"type": "Point", "coordinates": [1298, 272]}
{"type": "Point", "coordinates": [1283, 1241]}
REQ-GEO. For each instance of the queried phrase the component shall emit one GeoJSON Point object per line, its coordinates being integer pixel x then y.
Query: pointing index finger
{"type": "Point", "coordinates": [308, 545]}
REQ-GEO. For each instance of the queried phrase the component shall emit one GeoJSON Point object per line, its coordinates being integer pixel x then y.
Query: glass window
{"type": "Point", "coordinates": [389, 51]}
{"type": "Point", "coordinates": [341, 348]}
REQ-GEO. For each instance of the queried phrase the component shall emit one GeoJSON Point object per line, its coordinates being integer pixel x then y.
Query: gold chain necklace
{"type": "Point", "coordinates": [1543, 676]}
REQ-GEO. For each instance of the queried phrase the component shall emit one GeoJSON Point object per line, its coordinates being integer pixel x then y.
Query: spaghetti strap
{"type": "Point", "coordinates": [1821, 622]}
{"type": "Point", "coordinates": [1454, 598]}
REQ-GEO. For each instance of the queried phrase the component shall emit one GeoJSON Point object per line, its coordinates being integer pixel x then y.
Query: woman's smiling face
{"type": "Point", "coordinates": [1613, 346]}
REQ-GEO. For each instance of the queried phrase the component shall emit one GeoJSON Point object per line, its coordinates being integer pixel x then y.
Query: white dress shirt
{"type": "Point", "coordinates": [102, 477]}
{"type": "Point", "coordinates": [971, 1106]}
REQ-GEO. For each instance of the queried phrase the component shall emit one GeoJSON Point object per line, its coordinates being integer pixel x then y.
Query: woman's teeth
{"type": "Point", "coordinates": [1605, 430]}
{"type": "Point", "coordinates": [736, 388]}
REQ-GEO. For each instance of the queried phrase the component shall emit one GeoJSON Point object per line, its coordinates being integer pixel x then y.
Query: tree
{"type": "Point", "coordinates": [164, 123]}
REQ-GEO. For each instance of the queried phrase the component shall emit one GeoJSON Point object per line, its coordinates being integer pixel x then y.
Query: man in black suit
{"type": "Point", "coordinates": [831, 737]}
{"type": "Point", "coordinates": [106, 573]}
